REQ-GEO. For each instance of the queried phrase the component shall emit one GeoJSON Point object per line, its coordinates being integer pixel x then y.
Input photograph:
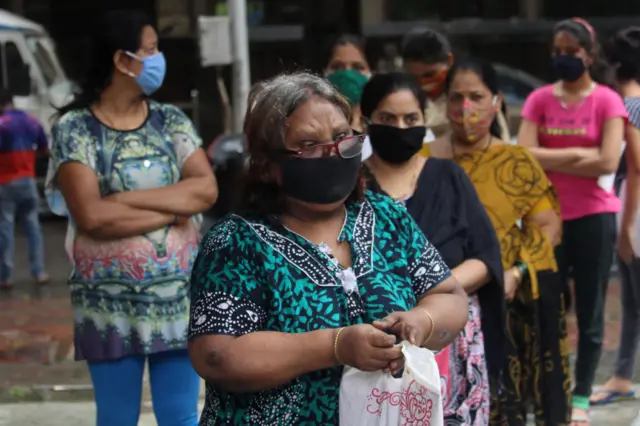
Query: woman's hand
{"type": "Point", "coordinates": [512, 280]}
{"type": "Point", "coordinates": [368, 349]}
{"type": "Point", "coordinates": [413, 326]}
{"type": "Point", "coordinates": [626, 245]}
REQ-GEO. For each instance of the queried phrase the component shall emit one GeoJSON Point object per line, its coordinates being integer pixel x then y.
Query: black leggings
{"type": "Point", "coordinates": [586, 254]}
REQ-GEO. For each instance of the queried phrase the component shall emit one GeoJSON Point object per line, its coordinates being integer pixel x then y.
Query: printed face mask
{"type": "Point", "coordinates": [396, 145]}
{"type": "Point", "coordinates": [470, 122]}
{"type": "Point", "coordinates": [568, 68]}
{"type": "Point", "coordinates": [154, 68]}
{"type": "Point", "coordinates": [433, 86]}
{"type": "Point", "coordinates": [323, 180]}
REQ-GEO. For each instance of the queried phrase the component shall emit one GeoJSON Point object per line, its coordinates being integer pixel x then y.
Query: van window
{"type": "Point", "coordinates": [43, 58]}
{"type": "Point", "coordinates": [14, 72]}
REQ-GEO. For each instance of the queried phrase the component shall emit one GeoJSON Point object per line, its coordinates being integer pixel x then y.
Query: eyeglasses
{"type": "Point", "coordinates": [345, 148]}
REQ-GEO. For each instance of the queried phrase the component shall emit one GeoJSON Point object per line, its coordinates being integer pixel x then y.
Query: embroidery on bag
{"type": "Point", "coordinates": [415, 404]}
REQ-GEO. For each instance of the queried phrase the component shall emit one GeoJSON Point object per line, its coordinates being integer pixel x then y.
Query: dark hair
{"type": "Point", "coordinates": [382, 85]}
{"type": "Point", "coordinates": [6, 97]}
{"type": "Point", "coordinates": [601, 72]}
{"type": "Point", "coordinates": [271, 103]}
{"type": "Point", "coordinates": [119, 30]}
{"type": "Point", "coordinates": [487, 73]}
{"type": "Point", "coordinates": [622, 51]}
{"type": "Point", "coordinates": [345, 40]}
{"type": "Point", "coordinates": [425, 45]}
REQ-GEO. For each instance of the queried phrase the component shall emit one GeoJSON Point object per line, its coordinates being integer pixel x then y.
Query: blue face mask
{"type": "Point", "coordinates": [154, 68]}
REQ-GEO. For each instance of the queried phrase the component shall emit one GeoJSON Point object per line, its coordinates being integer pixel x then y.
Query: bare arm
{"type": "Point", "coordinates": [98, 218]}
{"type": "Point", "coordinates": [448, 304]}
{"type": "Point", "coordinates": [595, 162]}
{"type": "Point", "coordinates": [268, 359]}
{"type": "Point", "coordinates": [548, 158]}
{"type": "Point", "coordinates": [264, 360]}
{"type": "Point", "coordinates": [632, 194]}
{"type": "Point", "coordinates": [471, 274]}
{"type": "Point", "coordinates": [591, 162]}
{"type": "Point", "coordinates": [195, 193]}
{"type": "Point", "coordinates": [549, 223]}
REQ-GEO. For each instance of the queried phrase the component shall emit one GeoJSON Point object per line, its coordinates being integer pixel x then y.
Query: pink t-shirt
{"type": "Point", "coordinates": [575, 126]}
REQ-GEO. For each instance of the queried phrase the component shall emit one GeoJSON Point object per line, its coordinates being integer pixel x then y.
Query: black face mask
{"type": "Point", "coordinates": [322, 180]}
{"type": "Point", "coordinates": [568, 68]}
{"type": "Point", "coordinates": [396, 145]}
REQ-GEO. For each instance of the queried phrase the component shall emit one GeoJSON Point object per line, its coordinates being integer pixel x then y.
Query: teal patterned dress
{"type": "Point", "coordinates": [130, 296]}
{"type": "Point", "coordinates": [255, 275]}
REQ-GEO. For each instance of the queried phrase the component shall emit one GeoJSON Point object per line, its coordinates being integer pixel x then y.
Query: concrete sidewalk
{"type": "Point", "coordinates": [59, 414]}
{"type": "Point", "coordinates": [83, 414]}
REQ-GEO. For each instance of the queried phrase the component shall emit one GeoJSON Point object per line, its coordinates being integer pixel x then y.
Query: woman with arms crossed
{"type": "Point", "coordinates": [574, 128]}
{"type": "Point", "coordinates": [129, 173]}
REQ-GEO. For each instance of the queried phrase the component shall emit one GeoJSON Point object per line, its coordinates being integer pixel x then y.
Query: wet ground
{"type": "Point", "coordinates": [36, 345]}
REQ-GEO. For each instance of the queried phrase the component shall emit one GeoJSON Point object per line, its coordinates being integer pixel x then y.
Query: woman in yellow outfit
{"type": "Point", "coordinates": [522, 206]}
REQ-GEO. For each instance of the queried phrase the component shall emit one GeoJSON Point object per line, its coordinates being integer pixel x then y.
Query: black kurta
{"type": "Point", "coordinates": [447, 209]}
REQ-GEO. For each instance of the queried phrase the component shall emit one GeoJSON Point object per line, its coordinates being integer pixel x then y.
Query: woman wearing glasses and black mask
{"type": "Point", "coordinates": [313, 273]}
{"type": "Point", "coordinates": [442, 200]}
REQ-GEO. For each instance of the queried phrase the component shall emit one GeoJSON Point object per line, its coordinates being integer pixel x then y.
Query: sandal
{"type": "Point", "coordinates": [611, 396]}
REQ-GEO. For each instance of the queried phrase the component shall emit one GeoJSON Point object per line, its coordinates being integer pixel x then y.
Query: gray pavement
{"type": "Point", "coordinates": [58, 413]}
{"type": "Point", "coordinates": [82, 414]}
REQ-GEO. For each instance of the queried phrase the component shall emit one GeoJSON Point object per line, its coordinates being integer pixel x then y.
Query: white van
{"type": "Point", "coordinates": [30, 69]}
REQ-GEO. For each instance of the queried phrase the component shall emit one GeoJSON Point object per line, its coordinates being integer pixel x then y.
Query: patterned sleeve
{"type": "Point", "coordinates": [227, 294]}
{"type": "Point", "coordinates": [633, 106]}
{"type": "Point", "coordinates": [71, 141]}
{"type": "Point", "coordinates": [425, 265]}
{"type": "Point", "coordinates": [183, 133]}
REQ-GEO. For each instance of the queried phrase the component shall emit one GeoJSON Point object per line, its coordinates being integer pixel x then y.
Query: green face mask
{"type": "Point", "coordinates": [350, 83]}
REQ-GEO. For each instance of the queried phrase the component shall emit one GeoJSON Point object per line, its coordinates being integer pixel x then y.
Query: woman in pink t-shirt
{"type": "Point", "coordinates": [575, 128]}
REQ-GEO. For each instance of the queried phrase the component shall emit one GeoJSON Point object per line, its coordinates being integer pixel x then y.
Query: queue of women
{"type": "Point", "coordinates": [356, 230]}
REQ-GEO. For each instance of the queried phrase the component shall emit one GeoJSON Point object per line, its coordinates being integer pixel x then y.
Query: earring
{"type": "Point", "coordinates": [131, 74]}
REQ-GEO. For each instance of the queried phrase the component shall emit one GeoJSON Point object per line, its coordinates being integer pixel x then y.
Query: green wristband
{"type": "Point", "coordinates": [522, 267]}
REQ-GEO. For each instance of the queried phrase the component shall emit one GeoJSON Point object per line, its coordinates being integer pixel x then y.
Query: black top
{"type": "Point", "coordinates": [449, 212]}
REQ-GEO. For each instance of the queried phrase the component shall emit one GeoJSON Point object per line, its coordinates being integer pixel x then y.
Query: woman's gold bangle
{"type": "Point", "coordinates": [433, 327]}
{"type": "Point", "coordinates": [335, 345]}
{"type": "Point", "coordinates": [517, 274]}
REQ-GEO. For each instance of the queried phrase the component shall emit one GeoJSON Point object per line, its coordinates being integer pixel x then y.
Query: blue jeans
{"type": "Point", "coordinates": [19, 200]}
{"type": "Point", "coordinates": [175, 388]}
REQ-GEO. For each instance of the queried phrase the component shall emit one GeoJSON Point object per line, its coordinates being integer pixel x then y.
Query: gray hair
{"type": "Point", "coordinates": [271, 103]}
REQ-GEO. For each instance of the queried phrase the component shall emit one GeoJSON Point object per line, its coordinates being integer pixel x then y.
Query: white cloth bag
{"type": "Point", "coordinates": [378, 399]}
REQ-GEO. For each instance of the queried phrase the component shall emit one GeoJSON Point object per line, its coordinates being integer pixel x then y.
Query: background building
{"type": "Point", "coordinates": [292, 34]}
